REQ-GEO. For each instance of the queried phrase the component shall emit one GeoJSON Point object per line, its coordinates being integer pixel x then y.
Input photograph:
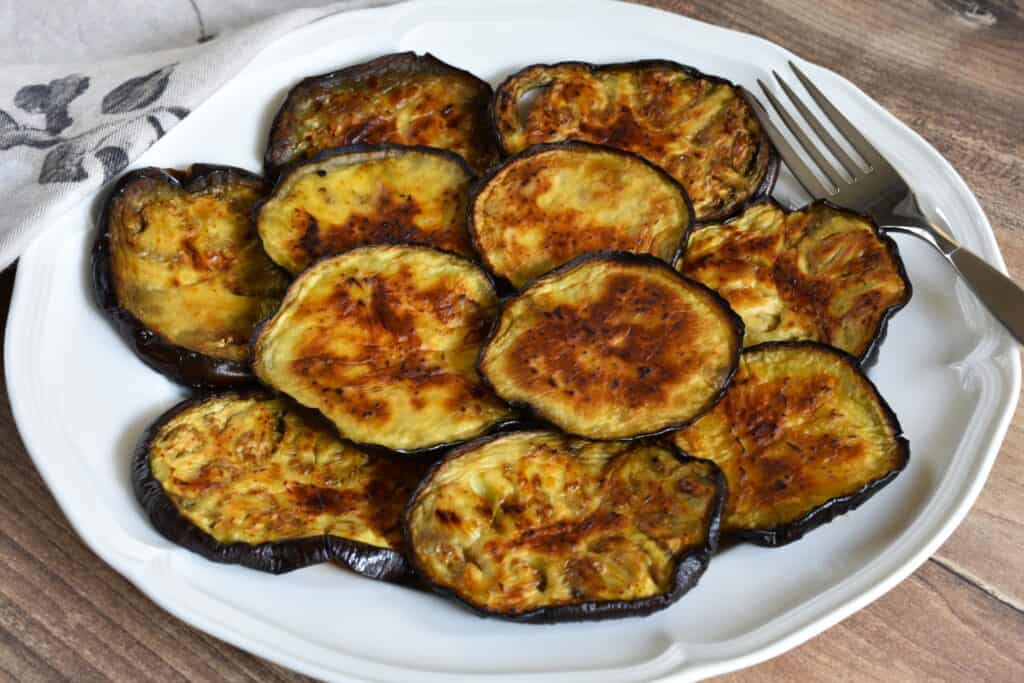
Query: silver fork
{"type": "Point", "coordinates": [880, 192]}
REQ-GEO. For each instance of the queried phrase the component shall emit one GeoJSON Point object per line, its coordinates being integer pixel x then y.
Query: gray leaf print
{"type": "Point", "coordinates": [33, 98]}
{"type": "Point", "coordinates": [114, 160]}
{"type": "Point", "coordinates": [63, 164]}
{"type": "Point", "coordinates": [13, 136]}
{"type": "Point", "coordinates": [138, 92]}
{"type": "Point", "coordinates": [7, 121]}
{"type": "Point", "coordinates": [52, 100]}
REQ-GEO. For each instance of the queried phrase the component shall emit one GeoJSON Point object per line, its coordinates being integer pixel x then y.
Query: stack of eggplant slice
{"type": "Point", "coordinates": [494, 341]}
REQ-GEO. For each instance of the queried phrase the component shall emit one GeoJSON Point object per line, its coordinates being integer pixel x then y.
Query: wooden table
{"type": "Point", "coordinates": [951, 69]}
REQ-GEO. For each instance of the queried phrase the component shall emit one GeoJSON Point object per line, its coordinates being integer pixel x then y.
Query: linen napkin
{"type": "Point", "coordinates": [77, 106]}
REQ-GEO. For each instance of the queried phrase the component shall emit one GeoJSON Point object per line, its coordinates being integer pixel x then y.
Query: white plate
{"type": "Point", "coordinates": [81, 399]}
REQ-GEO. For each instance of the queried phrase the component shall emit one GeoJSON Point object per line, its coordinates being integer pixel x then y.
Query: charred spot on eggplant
{"type": "Point", "coordinates": [802, 437]}
{"type": "Point", "coordinates": [541, 527]}
{"type": "Point", "coordinates": [613, 346]}
{"type": "Point", "coordinates": [178, 266]}
{"type": "Point", "coordinates": [366, 194]}
{"type": "Point", "coordinates": [252, 479]}
{"type": "Point", "coordinates": [551, 203]}
{"type": "Point", "coordinates": [382, 340]}
{"type": "Point", "coordinates": [405, 98]}
{"type": "Point", "coordinates": [696, 127]}
{"type": "Point", "coordinates": [819, 274]}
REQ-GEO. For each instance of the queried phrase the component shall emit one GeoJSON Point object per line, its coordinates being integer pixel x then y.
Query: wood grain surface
{"type": "Point", "coordinates": [951, 69]}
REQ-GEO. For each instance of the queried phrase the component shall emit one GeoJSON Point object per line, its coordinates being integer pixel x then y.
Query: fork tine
{"type": "Point", "coordinates": [838, 152]}
{"type": "Point", "coordinates": [801, 137]}
{"type": "Point", "coordinates": [801, 171]}
{"type": "Point", "coordinates": [842, 124]}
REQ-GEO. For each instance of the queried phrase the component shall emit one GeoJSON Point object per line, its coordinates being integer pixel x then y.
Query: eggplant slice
{"type": "Point", "coordinates": [254, 480]}
{"type": "Point", "coordinates": [405, 98]}
{"type": "Point", "coordinates": [614, 346]}
{"type": "Point", "coordinates": [802, 435]}
{"type": "Point", "coordinates": [366, 194]}
{"type": "Point", "coordinates": [819, 274]}
{"type": "Point", "coordinates": [551, 203]}
{"type": "Point", "coordinates": [178, 266]}
{"type": "Point", "coordinates": [541, 527]}
{"type": "Point", "coordinates": [697, 127]}
{"type": "Point", "coordinates": [382, 340]}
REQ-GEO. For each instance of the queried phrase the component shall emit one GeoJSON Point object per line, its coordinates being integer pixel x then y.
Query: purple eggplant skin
{"type": "Point", "coordinates": [823, 514]}
{"type": "Point", "coordinates": [689, 566]}
{"type": "Point", "coordinates": [794, 531]}
{"type": "Point", "coordinates": [515, 421]}
{"type": "Point", "coordinates": [184, 366]}
{"type": "Point", "coordinates": [484, 144]}
{"type": "Point", "coordinates": [869, 357]}
{"type": "Point", "coordinates": [285, 172]}
{"type": "Point", "coordinates": [772, 163]}
{"type": "Point", "coordinates": [502, 284]}
{"type": "Point", "coordinates": [277, 557]}
{"type": "Point", "coordinates": [531, 415]}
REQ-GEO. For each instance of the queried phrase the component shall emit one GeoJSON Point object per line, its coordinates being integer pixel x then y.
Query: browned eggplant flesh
{"type": "Point", "coordinates": [179, 267]}
{"type": "Point", "coordinates": [404, 98]}
{"type": "Point", "coordinates": [378, 194]}
{"type": "Point", "coordinates": [613, 346]}
{"type": "Point", "coordinates": [538, 526]}
{"type": "Point", "coordinates": [697, 127]}
{"type": "Point", "coordinates": [552, 203]}
{"type": "Point", "coordinates": [256, 480]}
{"type": "Point", "coordinates": [802, 437]}
{"type": "Point", "coordinates": [819, 274]}
{"type": "Point", "coordinates": [382, 340]}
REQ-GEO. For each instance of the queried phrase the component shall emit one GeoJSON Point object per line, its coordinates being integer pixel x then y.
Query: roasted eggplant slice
{"type": "Point", "coordinates": [376, 194]}
{"type": "Point", "coordinates": [552, 203]}
{"type": "Point", "coordinates": [613, 346]}
{"type": "Point", "coordinates": [382, 340]}
{"type": "Point", "coordinates": [541, 527]}
{"type": "Point", "coordinates": [820, 274]}
{"type": "Point", "coordinates": [405, 98]}
{"type": "Point", "coordinates": [179, 268]}
{"type": "Point", "coordinates": [802, 436]}
{"type": "Point", "coordinates": [697, 127]}
{"type": "Point", "coordinates": [255, 480]}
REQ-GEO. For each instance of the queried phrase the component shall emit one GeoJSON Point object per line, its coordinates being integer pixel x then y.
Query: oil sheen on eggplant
{"type": "Point", "coordinates": [253, 479]}
{"type": "Point", "coordinates": [802, 437]}
{"type": "Point", "coordinates": [366, 194]}
{"type": "Point", "coordinates": [382, 340]}
{"type": "Point", "coordinates": [404, 98]}
{"type": "Point", "coordinates": [613, 346]}
{"type": "Point", "coordinates": [697, 127]}
{"type": "Point", "coordinates": [820, 274]}
{"type": "Point", "coordinates": [552, 203]}
{"type": "Point", "coordinates": [179, 267]}
{"type": "Point", "coordinates": [541, 527]}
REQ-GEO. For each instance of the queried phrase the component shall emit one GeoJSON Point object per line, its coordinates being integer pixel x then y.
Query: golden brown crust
{"type": "Point", "coordinates": [800, 428]}
{"type": "Point", "coordinates": [819, 274]}
{"type": "Point", "coordinates": [255, 470]}
{"type": "Point", "coordinates": [552, 203]}
{"type": "Point", "coordinates": [696, 127]}
{"type": "Point", "coordinates": [382, 340]}
{"type": "Point", "coordinates": [366, 194]}
{"type": "Point", "coordinates": [613, 346]}
{"type": "Point", "coordinates": [186, 261]}
{"type": "Point", "coordinates": [402, 98]}
{"type": "Point", "coordinates": [541, 525]}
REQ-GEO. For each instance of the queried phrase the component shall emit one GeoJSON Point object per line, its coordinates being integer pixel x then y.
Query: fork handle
{"type": "Point", "coordinates": [1001, 295]}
